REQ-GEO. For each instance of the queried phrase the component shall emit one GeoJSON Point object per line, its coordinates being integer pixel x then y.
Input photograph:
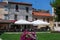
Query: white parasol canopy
{"type": "Point", "coordinates": [56, 28]}
{"type": "Point", "coordinates": [0, 38]}
{"type": "Point", "coordinates": [40, 22]}
{"type": "Point", "coordinates": [22, 22]}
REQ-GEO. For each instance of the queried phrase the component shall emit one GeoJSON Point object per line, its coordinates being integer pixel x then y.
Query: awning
{"type": "Point", "coordinates": [7, 21]}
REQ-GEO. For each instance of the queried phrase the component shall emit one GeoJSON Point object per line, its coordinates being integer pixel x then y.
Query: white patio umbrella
{"type": "Point", "coordinates": [40, 22]}
{"type": "Point", "coordinates": [22, 22]}
{"type": "Point", "coordinates": [56, 28]}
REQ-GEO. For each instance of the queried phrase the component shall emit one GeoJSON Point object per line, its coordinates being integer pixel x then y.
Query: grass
{"type": "Point", "coordinates": [40, 36]}
{"type": "Point", "coordinates": [48, 36]}
{"type": "Point", "coordinates": [10, 36]}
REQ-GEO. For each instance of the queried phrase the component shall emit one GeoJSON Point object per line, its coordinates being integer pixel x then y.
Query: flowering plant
{"type": "Point", "coordinates": [28, 35]}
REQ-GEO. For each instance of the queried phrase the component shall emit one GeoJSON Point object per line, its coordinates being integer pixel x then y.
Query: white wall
{"type": "Point", "coordinates": [53, 11]}
{"type": "Point", "coordinates": [22, 11]}
{"type": "Point", "coordinates": [2, 12]}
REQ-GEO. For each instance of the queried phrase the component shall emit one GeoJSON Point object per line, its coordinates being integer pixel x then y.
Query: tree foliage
{"type": "Point", "coordinates": [56, 5]}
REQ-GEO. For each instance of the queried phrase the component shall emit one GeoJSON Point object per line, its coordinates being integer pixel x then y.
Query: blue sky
{"type": "Point", "coordinates": [38, 4]}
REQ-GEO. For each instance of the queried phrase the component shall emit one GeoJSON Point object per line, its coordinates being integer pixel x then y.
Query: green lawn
{"type": "Point", "coordinates": [40, 36]}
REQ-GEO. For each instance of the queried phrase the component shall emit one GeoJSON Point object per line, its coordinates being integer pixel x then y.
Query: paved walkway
{"type": "Point", "coordinates": [21, 32]}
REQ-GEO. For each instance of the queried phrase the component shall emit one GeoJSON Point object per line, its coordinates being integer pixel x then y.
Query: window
{"type": "Point", "coordinates": [6, 16]}
{"type": "Point", "coordinates": [58, 25]}
{"type": "Point", "coordinates": [54, 25]}
{"type": "Point", "coordinates": [27, 9]}
{"type": "Point", "coordinates": [15, 17]}
{"type": "Point", "coordinates": [47, 19]}
{"type": "Point", "coordinates": [17, 8]}
{"type": "Point", "coordinates": [43, 19]}
{"type": "Point", "coordinates": [6, 8]}
{"type": "Point", "coordinates": [26, 17]}
{"type": "Point", "coordinates": [35, 18]}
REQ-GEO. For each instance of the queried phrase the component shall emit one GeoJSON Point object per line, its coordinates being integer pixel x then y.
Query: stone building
{"type": "Point", "coordinates": [43, 15]}
{"type": "Point", "coordinates": [13, 11]}
{"type": "Point", "coordinates": [19, 11]}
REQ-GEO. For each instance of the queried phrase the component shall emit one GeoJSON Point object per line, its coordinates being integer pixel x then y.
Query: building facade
{"type": "Point", "coordinates": [13, 11]}
{"type": "Point", "coordinates": [43, 15]}
{"type": "Point", "coordinates": [3, 10]}
{"type": "Point", "coordinates": [19, 11]}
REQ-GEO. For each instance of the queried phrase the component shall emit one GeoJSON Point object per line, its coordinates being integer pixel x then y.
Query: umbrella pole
{"type": "Point", "coordinates": [26, 26]}
{"type": "Point", "coordinates": [21, 28]}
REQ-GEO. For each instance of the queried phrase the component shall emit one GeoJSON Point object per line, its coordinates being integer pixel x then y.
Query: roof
{"type": "Point", "coordinates": [41, 13]}
{"type": "Point", "coordinates": [7, 21]}
{"type": "Point", "coordinates": [3, 3]}
{"type": "Point", "coordinates": [21, 3]}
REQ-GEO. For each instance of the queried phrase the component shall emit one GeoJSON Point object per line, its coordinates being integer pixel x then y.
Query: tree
{"type": "Point", "coordinates": [56, 5]}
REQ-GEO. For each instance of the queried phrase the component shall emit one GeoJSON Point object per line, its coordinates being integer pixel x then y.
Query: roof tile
{"type": "Point", "coordinates": [41, 14]}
